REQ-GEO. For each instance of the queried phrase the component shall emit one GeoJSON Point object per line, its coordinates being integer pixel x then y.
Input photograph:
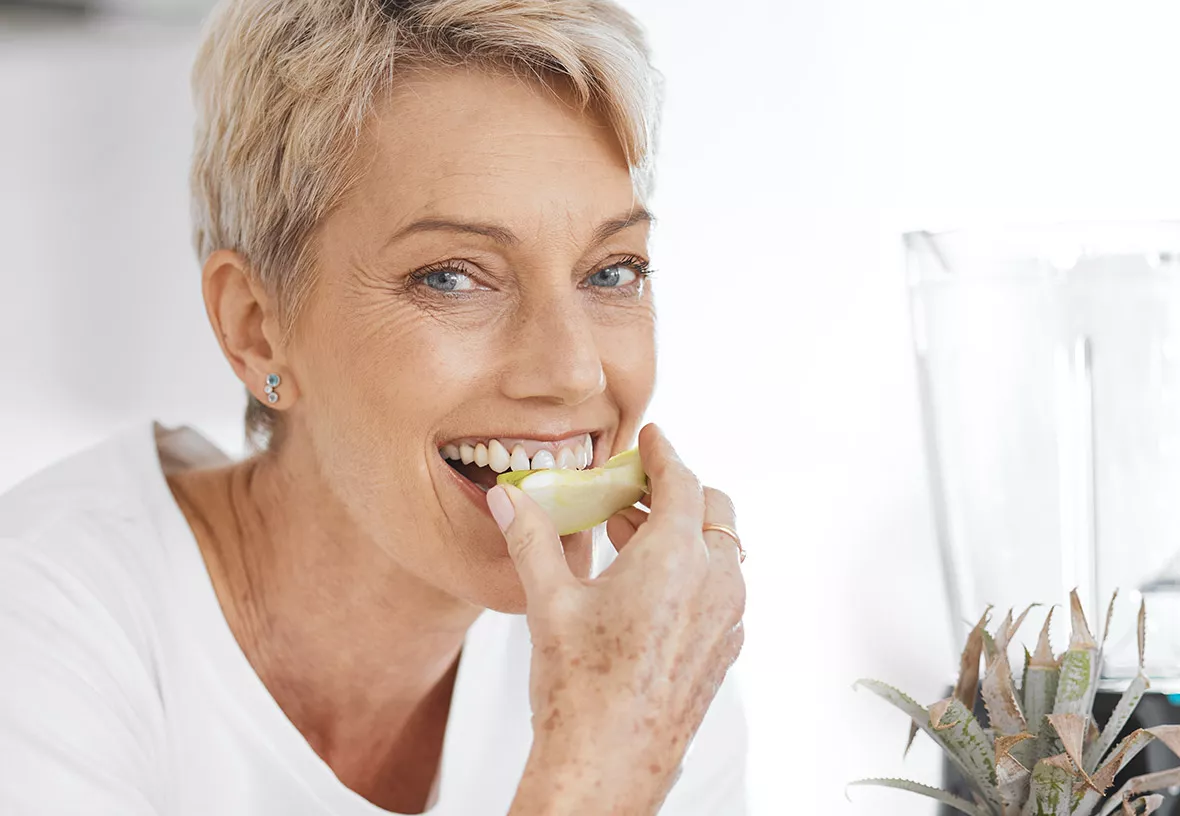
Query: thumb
{"type": "Point", "coordinates": [533, 543]}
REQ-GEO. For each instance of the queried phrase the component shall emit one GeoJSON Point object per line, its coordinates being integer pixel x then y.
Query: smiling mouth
{"type": "Point", "coordinates": [481, 460]}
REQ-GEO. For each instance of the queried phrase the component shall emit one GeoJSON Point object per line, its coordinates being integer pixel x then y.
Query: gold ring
{"type": "Point", "coordinates": [732, 533]}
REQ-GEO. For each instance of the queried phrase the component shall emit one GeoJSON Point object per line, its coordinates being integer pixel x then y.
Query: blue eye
{"type": "Point", "coordinates": [617, 275]}
{"type": "Point", "coordinates": [447, 280]}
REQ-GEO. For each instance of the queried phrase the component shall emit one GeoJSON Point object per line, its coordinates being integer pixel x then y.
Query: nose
{"type": "Point", "coordinates": [552, 352]}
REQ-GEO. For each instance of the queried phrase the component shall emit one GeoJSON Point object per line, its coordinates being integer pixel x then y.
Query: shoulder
{"type": "Point", "coordinates": [81, 575]}
{"type": "Point", "coordinates": [81, 537]}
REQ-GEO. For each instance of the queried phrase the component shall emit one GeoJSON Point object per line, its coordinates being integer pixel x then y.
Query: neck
{"type": "Point", "coordinates": [353, 648]}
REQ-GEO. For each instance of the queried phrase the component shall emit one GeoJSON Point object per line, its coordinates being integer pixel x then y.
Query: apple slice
{"type": "Point", "coordinates": [577, 500]}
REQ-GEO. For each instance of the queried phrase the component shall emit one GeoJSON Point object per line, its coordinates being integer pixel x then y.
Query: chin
{"type": "Point", "coordinates": [499, 588]}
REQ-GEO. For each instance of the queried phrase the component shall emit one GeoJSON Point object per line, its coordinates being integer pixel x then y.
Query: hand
{"type": "Point", "coordinates": [625, 665]}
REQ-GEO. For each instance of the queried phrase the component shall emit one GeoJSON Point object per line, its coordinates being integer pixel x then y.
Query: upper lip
{"type": "Point", "coordinates": [561, 436]}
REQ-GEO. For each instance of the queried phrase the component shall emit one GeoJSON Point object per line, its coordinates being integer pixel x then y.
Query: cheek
{"type": "Point", "coordinates": [629, 359]}
{"type": "Point", "coordinates": [399, 368]}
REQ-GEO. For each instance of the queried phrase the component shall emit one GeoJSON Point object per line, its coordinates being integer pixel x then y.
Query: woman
{"type": "Point", "coordinates": [424, 250]}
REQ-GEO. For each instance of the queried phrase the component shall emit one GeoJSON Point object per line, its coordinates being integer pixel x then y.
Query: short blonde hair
{"type": "Point", "coordinates": [283, 87]}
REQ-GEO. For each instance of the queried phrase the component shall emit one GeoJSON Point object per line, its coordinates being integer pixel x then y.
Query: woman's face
{"type": "Point", "coordinates": [483, 281]}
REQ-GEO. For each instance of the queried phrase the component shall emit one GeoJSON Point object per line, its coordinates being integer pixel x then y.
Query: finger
{"type": "Point", "coordinates": [719, 510]}
{"type": "Point", "coordinates": [676, 497]}
{"type": "Point", "coordinates": [624, 524]}
{"type": "Point", "coordinates": [719, 507]}
{"type": "Point", "coordinates": [533, 543]}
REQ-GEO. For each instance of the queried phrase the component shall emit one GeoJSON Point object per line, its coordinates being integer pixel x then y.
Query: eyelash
{"type": "Point", "coordinates": [638, 265]}
{"type": "Point", "coordinates": [642, 268]}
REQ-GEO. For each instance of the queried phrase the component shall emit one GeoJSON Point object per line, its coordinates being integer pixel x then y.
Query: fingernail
{"type": "Point", "coordinates": [503, 511]}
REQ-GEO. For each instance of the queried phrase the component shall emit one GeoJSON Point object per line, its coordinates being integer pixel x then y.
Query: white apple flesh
{"type": "Point", "coordinates": [577, 500]}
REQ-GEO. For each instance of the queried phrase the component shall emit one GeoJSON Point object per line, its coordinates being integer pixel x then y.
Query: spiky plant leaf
{"type": "Point", "coordinates": [1106, 629]}
{"type": "Point", "coordinates": [1114, 726]}
{"type": "Point", "coordinates": [1080, 634]}
{"type": "Point", "coordinates": [1005, 746]}
{"type": "Point", "coordinates": [1001, 636]}
{"type": "Point", "coordinates": [1078, 681]}
{"type": "Point", "coordinates": [1114, 596]}
{"type": "Point", "coordinates": [1127, 702]}
{"type": "Point", "coordinates": [1047, 743]}
{"type": "Point", "coordinates": [1143, 806]}
{"type": "Point", "coordinates": [1072, 766]}
{"type": "Point", "coordinates": [1160, 780]}
{"type": "Point", "coordinates": [1104, 777]}
{"type": "Point", "coordinates": [968, 682]}
{"type": "Point", "coordinates": [1142, 630]}
{"type": "Point", "coordinates": [1011, 776]}
{"type": "Point", "coordinates": [999, 696]}
{"type": "Point", "coordinates": [967, 686]}
{"type": "Point", "coordinates": [1050, 793]}
{"type": "Point", "coordinates": [1011, 631]}
{"type": "Point", "coordinates": [962, 805]}
{"type": "Point", "coordinates": [957, 732]}
{"type": "Point", "coordinates": [1071, 732]}
{"type": "Point", "coordinates": [961, 735]}
{"type": "Point", "coordinates": [1040, 693]}
{"type": "Point", "coordinates": [1024, 679]}
{"type": "Point", "coordinates": [989, 648]}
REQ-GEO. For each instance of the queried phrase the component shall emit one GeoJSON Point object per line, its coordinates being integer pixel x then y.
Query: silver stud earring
{"type": "Point", "coordinates": [272, 382]}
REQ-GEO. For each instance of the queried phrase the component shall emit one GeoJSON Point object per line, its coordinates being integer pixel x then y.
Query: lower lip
{"type": "Point", "coordinates": [478, 496]}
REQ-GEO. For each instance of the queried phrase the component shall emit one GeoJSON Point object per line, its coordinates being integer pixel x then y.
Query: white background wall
{"type": "Point", "coordinates": [801, 138]}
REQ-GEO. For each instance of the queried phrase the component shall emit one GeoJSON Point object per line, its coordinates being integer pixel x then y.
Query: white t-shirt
{"type": "Point", "coordinates": [123, 690]}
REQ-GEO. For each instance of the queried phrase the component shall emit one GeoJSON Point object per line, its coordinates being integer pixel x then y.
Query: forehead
{"type": "Point", "coordinates": [492, 147]}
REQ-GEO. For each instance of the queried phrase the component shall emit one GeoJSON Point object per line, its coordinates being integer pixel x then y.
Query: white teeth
{"type": "Point", "coordinates": [520, 459]}
{"type": "Point", "coordinates": [543, 460]}
{"type": "Point", "coordinates": [566, 459]}
{"type": "Point", "coordinates": [497, 456]}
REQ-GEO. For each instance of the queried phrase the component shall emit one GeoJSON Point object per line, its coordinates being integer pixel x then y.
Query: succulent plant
{"type": "Point", "coordinates": [1042, 754]}
{"type": "Point", "coordinates": [577, 500]}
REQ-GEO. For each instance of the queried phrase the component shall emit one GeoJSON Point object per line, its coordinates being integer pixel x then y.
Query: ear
{"type": "Point", "coordinates": [245, 321]}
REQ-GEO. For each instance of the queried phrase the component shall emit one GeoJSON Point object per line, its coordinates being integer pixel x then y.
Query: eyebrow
{"type": "Point", "coordinates": [505, 236]}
